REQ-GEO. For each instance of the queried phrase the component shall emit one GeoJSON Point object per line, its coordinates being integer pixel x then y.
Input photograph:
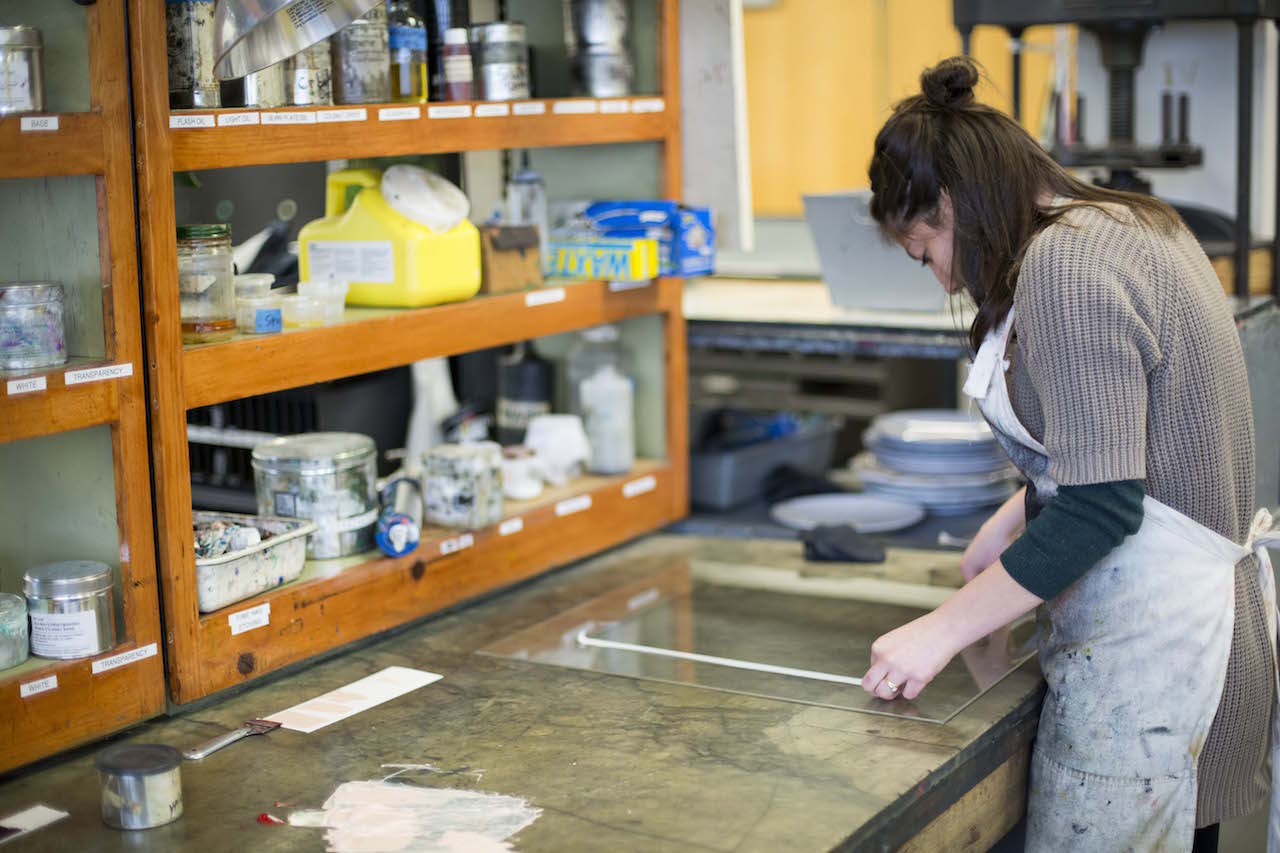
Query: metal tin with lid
{"type": "Point", "coordinates": [32, 325]}
{"type": "Point", "coordinates": [141, 785]}
{"type": "Point", "coordinates": [21, 70]}
{"type": "Point", "coordinates": [14, 642]}
{"type": "Point", "coordinates": [327, 477]}
{"type": "Point", "coordinates": [71, 607]}
{"type": "Point", "coordinates": [501, 57]}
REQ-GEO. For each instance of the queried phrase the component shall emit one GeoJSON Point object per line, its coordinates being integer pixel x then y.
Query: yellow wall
{"type": "Point", "coordinates": [822, 76]}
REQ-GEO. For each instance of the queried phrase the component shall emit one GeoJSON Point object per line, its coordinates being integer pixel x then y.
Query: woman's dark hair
{"type": "Point", "coordinates": [995, 174]}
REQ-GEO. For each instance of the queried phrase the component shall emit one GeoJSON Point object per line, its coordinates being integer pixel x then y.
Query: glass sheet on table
{"type": "Point", "coordinates": [764, 616]}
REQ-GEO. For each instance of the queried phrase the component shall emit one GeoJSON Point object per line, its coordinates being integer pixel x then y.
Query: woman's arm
{"type": "Point", "coordinates": [995, 535]}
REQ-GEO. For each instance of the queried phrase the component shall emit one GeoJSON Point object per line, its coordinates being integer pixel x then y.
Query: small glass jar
{"type": "Point", "coordinates": [310, 76]}
{"type": "Point", "coordinates": [501, 57]}
{"type": "Point", "coordinates": [189, 30]}
{"type": "Point", "coordinates": [456, 65]}
{"type": "Point", "coordinates": [32, 326]}
{"type": "Point", "coordinates": [71, 609]}
{"type": "Point", "coordinates": [259, 315]}
{"type": "Point", "coordinates": [206, 283]}
{"type": "Point", "coordinates": [14, 642]}
{"type": "Point", "coordinates": [362, 60]}
{"type": "Point", "coordinates": [21, 71]}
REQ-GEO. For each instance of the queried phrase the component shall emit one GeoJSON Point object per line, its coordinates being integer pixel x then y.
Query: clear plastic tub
{"type": "Point", "coordinates": [301, 312]}
{"type": "Point", "coordinates": [254, 284]}
{"type": "Point", "coordinates": [259, 315]}
{"type": "Point", "coordinates": [332, 295]}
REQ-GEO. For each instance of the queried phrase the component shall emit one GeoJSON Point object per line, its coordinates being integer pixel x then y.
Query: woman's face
{"type": "Point", "coordinates": [930, 245]}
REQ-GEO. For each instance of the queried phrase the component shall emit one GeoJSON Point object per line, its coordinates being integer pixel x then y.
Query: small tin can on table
{"type": "Point", "coordinates": [32, 325]}
{"type": "Point", "coordinates": [72, 609]}
{"type": "Point", "coordinates": [141, 785]}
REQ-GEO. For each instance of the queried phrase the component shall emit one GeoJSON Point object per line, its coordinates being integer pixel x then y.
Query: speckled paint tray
{"type": "Point", "coordinates": [234, 577]}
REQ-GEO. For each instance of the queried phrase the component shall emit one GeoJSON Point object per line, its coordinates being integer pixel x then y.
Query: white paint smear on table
{"type": "Point", "coordinates": [357, 696]}
{"type": "Point", "coordinates": [384, 817]}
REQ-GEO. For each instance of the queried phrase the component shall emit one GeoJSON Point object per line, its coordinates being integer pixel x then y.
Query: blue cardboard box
{"type": "Point", "coordinates": [686, 235]}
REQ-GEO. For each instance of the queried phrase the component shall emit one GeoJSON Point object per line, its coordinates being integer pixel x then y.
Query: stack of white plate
{"type": "Point", "coordinates": [946, 461]}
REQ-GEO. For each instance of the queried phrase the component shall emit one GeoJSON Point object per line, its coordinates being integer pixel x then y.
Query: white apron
{"type": "Point", "coordinates": [1135, 656]}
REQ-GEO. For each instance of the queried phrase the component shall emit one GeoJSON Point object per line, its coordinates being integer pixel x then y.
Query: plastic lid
{"type": "Point", "coordinates": [30, 292]}
{"type": "Point", "coordinates": [12, 608]}
{"type": "Point", "coordinates": [254, 284]}
{"type": "Point", "coordinates": [314, 452]}
{"type": "Point", "coordinates": [69, 578]}
{"type": "Point", "coordinates": [204, 232]}
{"type": "Point", "coordinates": [20, 37]}
{"type": "Point", "coordinates": [455, 35]}
{"type": "Point", "coordinates": [137, 759]}
{"type": "Point", "coordinates": [424, 197]}
{"type": "Point", "coordinates": [498, 32]}
{"type": "Point", "coordinates": [606, 334]}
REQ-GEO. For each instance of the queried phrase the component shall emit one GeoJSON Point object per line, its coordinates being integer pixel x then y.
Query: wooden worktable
{"type": "Point", "coordinates": [613, 763]}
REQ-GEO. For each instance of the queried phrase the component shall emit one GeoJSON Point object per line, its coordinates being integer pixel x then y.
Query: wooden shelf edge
{"type": "Point", "coordinates": [306, 620]}
{"type": "Point", "coordinates": [55, 407]}
{"type": "Point", "coordinates": [246, 367]}
{"type": "Point", "coordinates": [221, 144]}
{"type": "Point", "coordinates": [75, 148]}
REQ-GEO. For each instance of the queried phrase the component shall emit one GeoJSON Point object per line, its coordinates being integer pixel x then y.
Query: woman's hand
{"type": "Point", "coordinates": [995, 536]}
{"type": "Point", "coordinates": [909, 657]}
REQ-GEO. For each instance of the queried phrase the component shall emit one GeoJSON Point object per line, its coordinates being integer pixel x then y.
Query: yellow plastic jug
{"type": "Point", "coordinates": [389, 260]}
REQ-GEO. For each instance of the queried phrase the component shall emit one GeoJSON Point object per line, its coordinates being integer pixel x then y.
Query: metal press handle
{"type": "Point", "coordinates": [211, 746]}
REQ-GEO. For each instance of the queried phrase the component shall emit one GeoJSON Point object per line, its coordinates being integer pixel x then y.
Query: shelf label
{"type": "Point", "coordinates": [183, 122]}
{"type": "Point", "coordinates": [367, 261]}
{"type": "Point", "coordinates": [639, 487]}
{"type": "Point", "coordinates": [459, 543]}
{"type": "Point", "coordinates": [289, 118]}
{"type": "Point", "coordinates": [615, 106]}
{"type": "Point", "coordinates": [529, 108]}
{"type": "Point", "coordinates": [450, 111]}
{"type": "Point", "coordinates": [620, 286]}
{"type": "Point", "coordinates": [644, 599]}
{"type": "Point", "coordinates": [399, 113]}
{"type": "Point", "coordinates": [40, 685]}
{"type": "Point", "coordinates": [97, 374]}
{"type": "Point", "coordinates": [247, 620]}
{"type": "Point", "coordinates": [546, 296]}
{"type": "Point", "coordinates": [648, 105]}
{"type": "Point", "coordinates": [511, 526]}
{"type": "Point", "coordinates": [575, 107]}
{"type": "Point", "coordinates": [330, 116]}
{"type": "Point", "coordinates": [124, 659]}
{"type": "Point", "coordinates": [39, 123]}
{"type": "Point", "coordinates": [237, 119]}
{"type": "Point", "coordinates": [572, 505]}
{"type": "Point", "coordinates": [28, 385]}
{"type": "Point", "coordinates": [492, 110]}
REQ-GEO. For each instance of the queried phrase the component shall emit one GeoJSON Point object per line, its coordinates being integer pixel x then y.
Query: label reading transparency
{"type": "Point", "coordinates": [365, 261]}
{"type": "Point", "coordinates": [510, 526]}
{"type": "Point", "coordinates": [39, 123]}
{"type": "Point", "coordinates": [97, 374]}
{"type": "Point", "coordinates": [639, 487]}
{"type": "Point", "coordinates": [237, 119]}
{"type": "Point", "coordinates": [184, 122]}
{"type": "Point", "coordinates": [124, 659]}
{"type": "Point", "coordinates": [267, 320]}
{"type": "Point", "coordinates": [546, 296]}
{"type": "Point", "coordinates": [572, 505]}
{"type": "Point", "coordinates": [458, 543]}
{"type": "Point", "coordinates": [247, 620]}
{"type": "Point", "coordinates": [64, 635]}
{"type": "Point", "coordinates": [27, 386]}
{"type": "Point", "coordinates": [529, 108]}
{"type": "Point", "coordinates": [40, 685]}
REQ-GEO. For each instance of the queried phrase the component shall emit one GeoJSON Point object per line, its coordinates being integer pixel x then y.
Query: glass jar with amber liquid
{"type": "Point", "coordinates": [407, 40]}
{"type": "Point", "coordinates": [206, 283]}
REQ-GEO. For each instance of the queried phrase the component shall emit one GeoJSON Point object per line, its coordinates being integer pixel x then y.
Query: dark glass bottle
{"type": "Point", "coordinates": [441, 15]}
{"type": "Point", "coordinates": [525, 384]}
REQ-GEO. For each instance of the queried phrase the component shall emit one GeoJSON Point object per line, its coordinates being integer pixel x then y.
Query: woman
{"type": "Point", "coordinates": [1120, 393]}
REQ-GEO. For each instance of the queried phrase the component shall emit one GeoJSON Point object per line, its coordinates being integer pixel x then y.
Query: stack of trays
{"type": "Point", "coordinates": [946, 461]}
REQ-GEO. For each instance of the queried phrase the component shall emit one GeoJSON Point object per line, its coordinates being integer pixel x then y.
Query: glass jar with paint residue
{"type": "Point", "coordinates": [14, 642]}
{"type": "Point", "coordinates": [206, 283]}
{"type": "Point", "coordinates": [32, 325]}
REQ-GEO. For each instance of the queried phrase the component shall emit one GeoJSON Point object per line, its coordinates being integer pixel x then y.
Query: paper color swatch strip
{"type": "Point", "coordinates": [357, 696]}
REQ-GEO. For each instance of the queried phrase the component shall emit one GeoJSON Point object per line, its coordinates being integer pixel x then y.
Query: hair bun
{"type": "Point", "coordinates": [949, 84]}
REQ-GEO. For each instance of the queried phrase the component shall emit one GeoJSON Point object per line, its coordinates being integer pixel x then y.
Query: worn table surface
{"type": "Point", "coordinates": [613, 763]}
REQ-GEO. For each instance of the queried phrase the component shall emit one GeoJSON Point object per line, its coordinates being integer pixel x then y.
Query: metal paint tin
{"type": "Point", "coordinates": [32, 325]}
{"type": "Point", "coordinates": [141, 785]}
{"type": "Point", "coordinates": [21, 70]}
{"type": "Point", "coordinates": [14, 642]}
{"type": "Point", "coordinates": [501, 57]}
{"type": "Point", "coordinates": [71, 608]}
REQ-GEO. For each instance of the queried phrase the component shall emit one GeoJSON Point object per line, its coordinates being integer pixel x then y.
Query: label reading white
{"type": "Point", "coordinates": [648, 105]}
{"type": "Point", "coordinates": [639, 487]}
{"type": "Point", "coordinates": [613, 107]}
{"type": "Point", "coordinates": [183, 122]}
{"type": "Point", "coordinates": [39, 123]}
{"type": "Point", "coordinates": [510, 526]}
{"type": "Point", "coordinates": [329, 116]}
{"type": "Point", "coordinates": [40, 685]}
{"type": "Point", "coordinates": [247, 620]}
{"type": "Point", "coordinates": [289, 118]}
{"type": "Point", "coordinates": [492, 110]}
{"type": "Point", "coordinates": [529, 108]}
{"type": "Point", "coordinates": [459, 543]}
{"type": "Point", "coordinates": [572, 505]}
{"type": "Point", "coordinates": [575, 107]}
{"type": "Point", "coordinates": [364, 261]}
{"type": "Point", "coordinates": [546, 296]}
{"type": "Point", "coordinates": [649, 596]}
{"type": "Point", "coordinates": [26, 386]}
{"type": "Point", "coordinates": [124, 659]}
{"type": "Point", "coordinates": [97, 374]}
{"type": "Point", "coordinates": [620, 286]}
{"type": "Point", "coordinates": [399, 113]}
{"type": "Point", "coordinates": [64, 635]}
{"type": "Point", "coordinates": [450, 111]}
{"type": "Point", "coordinates": [237, 119]}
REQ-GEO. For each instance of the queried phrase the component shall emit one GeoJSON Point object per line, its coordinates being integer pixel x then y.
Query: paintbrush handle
{"type": "Point", "coordinates": [211, 746]}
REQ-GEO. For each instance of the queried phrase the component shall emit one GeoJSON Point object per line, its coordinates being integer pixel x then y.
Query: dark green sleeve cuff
{"type": "Point", "coordinates": [1077, 528]}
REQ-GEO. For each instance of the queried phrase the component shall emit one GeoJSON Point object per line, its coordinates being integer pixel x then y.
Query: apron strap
{"type": "Point", "coordinates": [989, 359]}
{"type": "Point", "coordinates": [1263, 533]}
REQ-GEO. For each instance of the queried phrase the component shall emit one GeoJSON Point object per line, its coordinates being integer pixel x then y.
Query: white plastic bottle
{"type": "Point", "coordinates": [608, 412]}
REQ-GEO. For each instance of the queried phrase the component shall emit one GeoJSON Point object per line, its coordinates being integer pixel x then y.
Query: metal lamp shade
{"type": "Point", "coordinates": [253, 34]}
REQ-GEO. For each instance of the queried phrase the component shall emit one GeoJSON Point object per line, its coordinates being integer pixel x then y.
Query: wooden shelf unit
{"type": "Point", "coordinates": [376, 595]}
{"type": "Point", "coordinates": [84, 705]}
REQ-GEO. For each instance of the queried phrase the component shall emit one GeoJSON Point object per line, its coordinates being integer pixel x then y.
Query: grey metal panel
{"type": "Point", "coordinates": [1021, 13]}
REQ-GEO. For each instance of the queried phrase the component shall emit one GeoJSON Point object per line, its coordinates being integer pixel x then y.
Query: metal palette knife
{"type": "Point", "coordinates": [252, 727]}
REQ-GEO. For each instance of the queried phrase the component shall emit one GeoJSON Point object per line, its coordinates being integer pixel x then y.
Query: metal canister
{"type": "Point", "coordinates": [596, 33]}
{"type": "Point", "coordinates": [189, 30]}
{"type": "Point", "coordinates": [71, 608]}
{"type": "Point", "coordinates": [603, 71]}
{"type": "Point", "coordinates": [501, 57]}
{"type": "Point", "coordinates": [362, 60]}
{"type": "Point", "coordinates": [21, 70]}
{"type": "Point", "coordinates": [141, 785]}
